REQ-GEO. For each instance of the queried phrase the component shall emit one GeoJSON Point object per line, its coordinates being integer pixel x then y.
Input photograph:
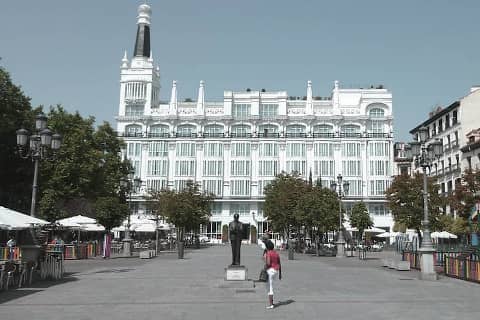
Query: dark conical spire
{"type": "Point", "coordinates": [142, 41]}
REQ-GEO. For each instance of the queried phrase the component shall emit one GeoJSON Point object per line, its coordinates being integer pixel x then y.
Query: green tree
{"type": "Point", "coordinates": [16, 174]}
{"type": "Point", "coordinates": [282, 196]}
{"type": "Point", "coordinates": [110, 212]}
{"type": "Point", "coordinates": [187, 209]}
{"type": "Point", "coordinates": [360, 218]}
{"type": "Point", "coordinates": [87, 167]}
{"type": "Point", "coordinates": [466, 193]}
{"type": "Point", "coordinates": [405, 199]}
{"type": "Point", "coordinates": [317, 209]}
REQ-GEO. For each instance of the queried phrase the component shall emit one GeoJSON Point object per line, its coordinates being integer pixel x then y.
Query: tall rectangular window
{"type": "Point", "coordinates": [158, 149]}
{"type": "Point", "coordinates": [296, 149]}
{"type": "Point", "coordinates": [157, 167]}
{"type": "Point", "coordinates": [241, 111]}
{"type": "Point", "coordinates": [268, 149]}
{"type": "Point", "coordinates": [240, 167]}
{"type": "Point", "coordinates": [134, 149]}
{"type": "Point", "coordinates": [213, 186]}
{"type": "Point", "coordinates": [324, 168]}
{"type": "Point", "coordinates": [351, 168]}
{"type": "Point", "coordinates": [350, 149]}
{"type": "Point", "coordinates": [213, 149]}
{"type": "Point", "coordinates": [134, 110]}
{"type": "Point", "coordinates": [323, 149]}
{"type": "Point", "coordinates": [240, 149]}
{"type": "Point", "coordinates": [156, 184]}
{"type": "Point", "coordinates": [268, 111]}
{"type": "Point", "coordinates": [299, 166]}
{"type": "Point", "coordinates": [240, 188]}
{"type": "Point", "coordinates": [212, 168]}
{"type": "Point", "coordinates": [268, 167]}
{"type": "Point", "coordinates": [185, 168]}
{"type": "Point", "coordinates": [185, 149]}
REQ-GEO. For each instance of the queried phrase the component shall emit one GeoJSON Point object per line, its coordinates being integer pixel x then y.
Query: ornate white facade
{"type": "Point", "coordinates": [235, 147]}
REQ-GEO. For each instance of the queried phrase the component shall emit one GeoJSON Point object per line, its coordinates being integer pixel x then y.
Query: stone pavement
{"type": "Point", "coordinates": [193, 288]}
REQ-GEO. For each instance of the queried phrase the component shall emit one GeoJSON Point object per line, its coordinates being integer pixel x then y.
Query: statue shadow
{"type": "Point", "coordinates": [284, 303]}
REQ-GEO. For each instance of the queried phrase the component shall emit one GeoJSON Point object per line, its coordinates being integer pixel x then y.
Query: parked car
{"type": "Point", "coordinates": [204, 239]}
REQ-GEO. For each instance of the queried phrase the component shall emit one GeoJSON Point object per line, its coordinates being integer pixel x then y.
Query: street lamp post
{"type": "Point", "coordinates": [43, 146]}
{"type": "Point", "coordinates": [341, 188]}
{"type": "Point", "coordinates": [425, 155]}
{"type": "Point", "coordinates": [131, 184]}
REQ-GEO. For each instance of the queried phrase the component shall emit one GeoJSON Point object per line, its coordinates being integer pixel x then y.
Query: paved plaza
{"type": "Point", "coordinates": [193, 288]}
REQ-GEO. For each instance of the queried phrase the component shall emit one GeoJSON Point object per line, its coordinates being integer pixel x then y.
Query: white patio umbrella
{"type": "Point", "coordinates": [93, 227]}
{"type": "Point", "coordinates": [145, 228]}
{"type": "Point", "coordinates": [384, 235]}
{"type": "Point", "coordinates": [78, 219]}
{"type": "Point", "coordinates": [11, 219]}
{"type": "Point", "coordinates": [435, 234]}
{"type": "Point", "coordinates": [447, 235]}
{"type": "Point", "coordinates": [374, 230]}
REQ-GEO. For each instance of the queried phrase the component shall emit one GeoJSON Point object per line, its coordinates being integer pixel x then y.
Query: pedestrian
{"type": "Point", "coordinates": [11, 248]}
{"type": "Point", "coordinates": [274, 269]}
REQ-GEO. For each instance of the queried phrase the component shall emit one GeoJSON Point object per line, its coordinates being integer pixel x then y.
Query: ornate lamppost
{"type": "Point", "coordinates": [131, 184]}
{"type": "Point", "coordinates": [41, 145]}
{"type": "Point", "coordinates": [341, 188]}
{"type": "Point", "coordinates": [424, 156]}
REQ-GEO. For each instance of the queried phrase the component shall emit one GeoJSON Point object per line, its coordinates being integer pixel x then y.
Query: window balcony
{"type": "Point", "coordinates": [159, 135]}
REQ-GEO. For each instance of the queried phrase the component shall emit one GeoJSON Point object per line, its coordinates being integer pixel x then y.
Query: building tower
{"type": "Point", "coordinates": [139, 79]}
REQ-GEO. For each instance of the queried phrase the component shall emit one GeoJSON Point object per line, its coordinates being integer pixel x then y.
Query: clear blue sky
{"type": "Point", "coordinates": [426, 52]}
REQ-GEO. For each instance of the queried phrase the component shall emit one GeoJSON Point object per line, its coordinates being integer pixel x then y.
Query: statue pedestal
{"type": "Point", "coordinates": [236, 273]}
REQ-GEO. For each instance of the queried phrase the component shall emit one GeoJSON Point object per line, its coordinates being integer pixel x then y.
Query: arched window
{"type": "Point", "coordinates": [159, 130]}
{"type": "Point", "coordinates": [377, 113]}
{"type": "Point", "coordinates": [241, 130]}
{"type": "Point", "coordinates": [268, 130]}
{"type": "Point", "coordinates": [295, 130]}
{"type": "Point", "coordinates": [350, 130]}
{"type": "Point", "coordinates": [213, 130]}
{"type": "Point", "coordinates": [322, 130]}
{"type": "Point", "coordinates": [133, 130]}
{"type": "Point", "coordinates": [186, 130]}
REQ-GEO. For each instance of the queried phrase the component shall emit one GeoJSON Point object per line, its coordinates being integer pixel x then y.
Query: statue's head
{"type": "Point", "coordinates": [236, 216]}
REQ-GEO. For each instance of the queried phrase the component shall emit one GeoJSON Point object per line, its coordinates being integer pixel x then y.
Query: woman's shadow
{"type": "Point", "coordinates": [283, 303]}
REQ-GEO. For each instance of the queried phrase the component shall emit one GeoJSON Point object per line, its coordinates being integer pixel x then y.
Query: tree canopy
{"type": "Point", "coordinates": [360, 218]}
{"type": "Point", "coordinates": [187, 209]}
{"type": "Point", "coordinates": [405, 199]}
{"type": "Point", "coordinates": [87, 167]}
{"type": "Point", "coordinates": [282, 197]}
{"type": "Point", "coordinates": [466, 193]}
{"type": "Point", "coordinates": [16, 174]}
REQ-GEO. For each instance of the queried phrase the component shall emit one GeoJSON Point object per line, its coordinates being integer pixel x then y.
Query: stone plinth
{"type": "Point", "coordinates": [236, 273]}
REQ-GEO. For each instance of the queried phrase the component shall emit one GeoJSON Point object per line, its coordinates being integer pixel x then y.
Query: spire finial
{"type": "Point", "coordinates": [173, 98]}
{"type": "Point", "coordinates": [309, 106]}
{"type": "Point", "coordinates": [125, 60]}
{"type": "Point", "coordinates": [201, 98]}
{"type": "Point", "coordinates": [144, 14]}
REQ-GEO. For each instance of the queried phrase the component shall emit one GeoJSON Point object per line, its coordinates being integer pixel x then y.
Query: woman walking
{"type": "Point", "coordinates": [274, 268]}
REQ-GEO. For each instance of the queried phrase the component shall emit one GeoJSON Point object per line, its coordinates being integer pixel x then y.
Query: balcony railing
{"type": "Point", "coordinates": [282, 135]}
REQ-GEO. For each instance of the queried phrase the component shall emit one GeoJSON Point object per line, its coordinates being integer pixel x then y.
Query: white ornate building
{"type": "Point", "coordinates": [235, 147]}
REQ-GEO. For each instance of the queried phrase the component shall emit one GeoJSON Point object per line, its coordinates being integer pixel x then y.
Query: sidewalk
{"type": "Point", "coordinates": [193, 288]}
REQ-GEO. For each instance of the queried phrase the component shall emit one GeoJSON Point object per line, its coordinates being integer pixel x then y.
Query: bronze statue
{"type": "Point", "coordinates": [236, 234]}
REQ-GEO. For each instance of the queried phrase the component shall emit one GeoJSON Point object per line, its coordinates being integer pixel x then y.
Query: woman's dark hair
{"type": "Point", "coordinates": [269, 245]}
